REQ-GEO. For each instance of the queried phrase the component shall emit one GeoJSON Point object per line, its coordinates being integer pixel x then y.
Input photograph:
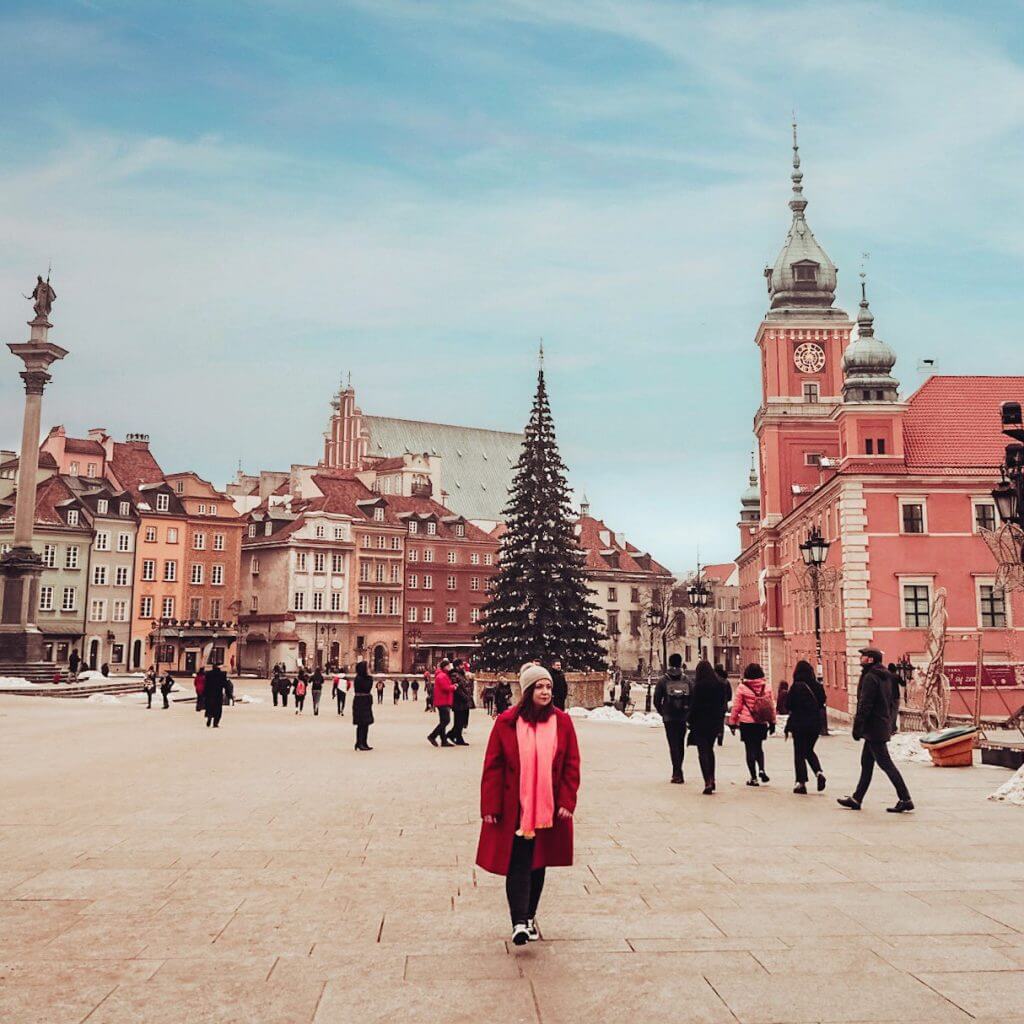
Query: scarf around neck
{"type": "Point", "coordinates": [537, 743]}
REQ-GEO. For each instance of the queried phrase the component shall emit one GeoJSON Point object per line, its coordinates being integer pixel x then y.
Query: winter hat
{"type": "Point", "coordinates": [804, 673]}
{"type": "Point", "coordinates": [531, 674]}
{"type": "Point", "coordinates": [873, 653]}
{"type": "Point", "coordinates": [753, 671]}
{"type": "Point", "coordinates": [675, 661]}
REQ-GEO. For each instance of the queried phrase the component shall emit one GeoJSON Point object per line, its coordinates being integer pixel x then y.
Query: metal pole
{"type": "Point", "coordinates": [977, 682]}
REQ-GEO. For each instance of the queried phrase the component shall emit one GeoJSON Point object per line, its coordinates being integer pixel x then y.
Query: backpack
{"type": "Point", "coordinates": [677, 695]}
{"type": "Point", "coordinates": [762, 711]}
{"type": "Point", "coordinates": [300, 688]}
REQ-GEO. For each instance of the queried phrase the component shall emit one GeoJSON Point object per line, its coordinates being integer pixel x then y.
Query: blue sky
{"type": "Point", "coordinates": [244, 200]}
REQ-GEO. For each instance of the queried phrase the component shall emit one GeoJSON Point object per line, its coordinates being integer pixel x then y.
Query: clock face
{"type": "Point", "coordinates": [809, 358]}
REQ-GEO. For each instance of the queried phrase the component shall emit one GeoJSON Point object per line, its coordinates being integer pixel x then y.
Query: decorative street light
{"type": "Point", "coordinates": [905, 669]}
{"type": "Point", "coordinates": [699, 594]}
{"type": "Point", "coordinates": [815, 551]}
{"type": "Point", "coordinates": [1009, 493]}
{"type": "Point", "coordinates": [654, 621]}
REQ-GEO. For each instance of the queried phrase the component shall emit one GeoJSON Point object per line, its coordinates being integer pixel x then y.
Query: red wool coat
{"type": "Point", "coordinates": [499, 796]}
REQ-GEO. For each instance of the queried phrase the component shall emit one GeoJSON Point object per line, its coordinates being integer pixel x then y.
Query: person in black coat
{"type": "Point", "coordinates": [705, 719]}
{"type": "Point", "coordinates": [877, 703]}
{"type": "Point", "coordinates": [462, 702]}
{"type": "Point", "coordinates": [727, 694]}
{"type": "Point", "coordinates": [806, 699]}
{"type": "Point", "coordinates": [362, 705]}
{"type": "Point", "coordinates": [672, 702]}
{"type": "Point", "coordinates": [213, 695]}
{"type": "Point", "coordinates": [559, 685]}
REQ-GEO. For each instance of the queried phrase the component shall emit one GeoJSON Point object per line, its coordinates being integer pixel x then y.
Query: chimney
{"type": "Point", "coordinates": [142, 440]}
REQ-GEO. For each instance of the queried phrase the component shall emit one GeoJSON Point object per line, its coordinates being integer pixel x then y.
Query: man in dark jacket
{"type": "Point", "coordinates": [559, 685]}
{"type": "Point", "coordinates": [726, 694]}
{"type": "Point", "coordinates": [213, 695]}
{"type": "Point", "coordinates": [462, 701]}
{"type": "Point", "coordinates": [877, 704]}
{"type": "Point", "coordinates": [672, 702]}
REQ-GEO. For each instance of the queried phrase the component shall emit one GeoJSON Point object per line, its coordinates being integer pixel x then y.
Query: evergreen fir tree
{"type": "Point", "coordinates": [539, 605]}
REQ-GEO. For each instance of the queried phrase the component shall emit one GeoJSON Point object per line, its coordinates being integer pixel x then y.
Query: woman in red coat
{"type": "Point", "coordinates": [527, 798]}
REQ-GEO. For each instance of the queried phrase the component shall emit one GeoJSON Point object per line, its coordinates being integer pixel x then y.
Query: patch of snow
{"type": "Point", "coordinates": [906, 746]}
{"type": "Point", "coordinates": [607, 714]}
{"type": "Point", "coordinates": [1011, 791]}
{"type": "Point", "coordinates": [91, 675]}
{"type": "Point", "coordinates": [102, 698]}
{"type": "Point", "coordinates": [246, 699]}
{"type": "Point", "coordinates": [15, 683]}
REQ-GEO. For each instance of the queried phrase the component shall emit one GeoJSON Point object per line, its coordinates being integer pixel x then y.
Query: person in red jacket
{"type": "Point", "coordinates": [753, 710]}
{"type": "Point", "coordinates": [528, 790]}
{"type": "Point", "coordinates": [444, 692]}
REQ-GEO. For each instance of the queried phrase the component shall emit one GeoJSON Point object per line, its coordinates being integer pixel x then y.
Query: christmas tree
{"type": "Point", "coordinates": [539, 603]}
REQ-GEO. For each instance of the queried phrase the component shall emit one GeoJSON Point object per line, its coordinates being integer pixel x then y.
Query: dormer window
{"type": "Point", "coordinates": [319, 533]}
{"type": "Point", "coordinates": [460, 529]}
{"type": "Point", "coordinates": [268, 528]}
{"type": "Point", "coordinates": [125, 508]}
{"type": "Point", "coordinates": [72, 517]}
{"type": "Point", "coordinates": [378, 514]}
{"type": "Point", "coordinates": [101, 506]}
{"type": "Point", "coordinates": [414, 527]}
{"type": "Point", "coordinates": [252, 529]}
{"type": "Point", "coordinates": [432, 528]}
{"type": "Point", "coordinates": [179, 486]}
{"type": "Point", "coordinates": [163, 502]}
{"type": "Point", "coordinates": [805, 273]}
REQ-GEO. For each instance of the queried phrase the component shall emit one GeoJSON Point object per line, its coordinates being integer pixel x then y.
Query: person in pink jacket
{"type": "Point", "coordinates": [753, 710]}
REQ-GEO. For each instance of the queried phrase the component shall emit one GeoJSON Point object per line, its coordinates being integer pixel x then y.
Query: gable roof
{"type": "Point", "coordinates": [51, 493]}
{"type": "Point", "coordinates": [953, 422]}
{"type": "Point", "coordinates": [46, 461]}
{"type": "Point", "coordinates": [133, 465]}
{"type": "Point", "coordinates": [623, 556]}
{"type": "Point", "coordinates": [720, 571]}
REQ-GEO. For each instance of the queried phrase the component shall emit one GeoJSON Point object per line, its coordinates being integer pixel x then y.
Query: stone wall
{"type": "Point", "coordinates": [586, 689]}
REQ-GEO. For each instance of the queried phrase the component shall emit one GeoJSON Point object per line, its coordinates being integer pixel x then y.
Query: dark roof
{"type": "Point", "coordinates": [83, 446]}
{"type": "Point", "coordinates": [46, 461]}
{"type": "Point", "coordinates": [50, 493]}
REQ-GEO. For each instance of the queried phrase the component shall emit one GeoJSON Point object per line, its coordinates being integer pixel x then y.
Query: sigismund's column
{"type": "Point", "coordinates": [21, 642]}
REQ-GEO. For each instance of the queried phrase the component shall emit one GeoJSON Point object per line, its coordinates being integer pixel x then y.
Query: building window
{"type": "Point", "coordinates": [99, 575]}
{"type": "Point", "coordinates": [364, 572]}
{"type": "Point", "coordinates": [412, 581]}
{"type": "Point", "coordinates": [634, 595]}
{"type": "Point", "coordinates": [804, 273]}
{"type": "Point", "coordinates": [124, 542]}
{"type": "Point", "coordinates": [634, 623]}
{"type": "Point", "coordinates": [318, 601]}
{"type": "Point", "coordinates": [382, 542]}
{"type": "Point", "coordinates": [172, 535]}
{"type": "Point", "coordinates": [984, 516]}
{"type": "Point", "coordinates": [812, 391]}
{"type": "Point", "coordinates": [396, 543]}
{"type": "Point", "coordinates": [148, 570]}
{"type": "Point", "coordinates": [213, 510]}
{"type": "Point", "coordinates": [812, 459]}
{"type": "Point", "coordinates": [460, 530]}
{"type": "Point", "coordinates": [414, 527]}
{"type": "Point", "coordinates": [300, 601]}
{"type": "Point", "coordinates": [170, 570]}
{"type": "Point", "coordinates": [452, 557]}
{"type": "Point", "coordinates": [163, 502]}
{"type": "Point", "coordinates": [167, 608]}
{"type": "Point", "coordinates": [378, 572]}
{"type": "Point", "coordinates": [119, 611]}
{"type": "Point", "coordinates": [71, 557]}
{"type": "Point", "coordinates": [150, 534]}
{"type": "Point", "coordinates": [394, 606]}
{"type": "Point", "coordinates": [428, 555]}
{"type": "Point", "coordinates": [72, 517]}
{"type": "Point", "coordinates": [319, 561]}
{"type": "Point", "coordinates": [50, 555]}
{"type": "Point", "coordinates": [319, 532]}
{"type": "Point", "coordinates": [474, 615]}
{"type": "Point", "coordinates": [613, 623]}
{"type": "Point", "coordinates": [73, 469]}
{"type": "Point", "coordinates": [101, 506]}
{"type": "Point", "coordinates": [46, 599]}
{"type": "Point", "coordinates": [179, 487]}
{"type": "Point", "coordinates": [69, 599]}
{"type": "Point", "coordinates": [199, 541]}
{"type": "Point", "coordinates": [125, 508]}
{"type": "Point", "coordinates": [378, 604]}
{"type": "Point", "coordinates": [195, 608]}
{"type": "Point", "coordinates": [613, 594]}
{"type": "Point", "coordinates": [431, 528]}
{"type": "Point", "coordinates": [202, 508]}
{"type": "Point", "coordinates": [145, 607]}
{"type": "Point", "coordinates": [252, 529]}
{"type": "Point", "coordinates": [90, 469]}
{"type": "Point", "coordinates": [488, 559]}
{"type": "Point", "coordinates": [197, 574]}
{"type": "Point", "coordinates": [869, 446]}
{"type": "Point", "coordinates": [880, 446]}
{"type": "Point", "coordinates": [414, 555]}
{"type": "Point", "coordinates": [396, 573]}
{"type": "Point", "coordinates": [254, 565]}
{"type": "Point", "coordinates": [335, 601]}
{"type": "Point", "coordinates": [413, 613]}
{"type": "Point", "coordinates": [428, 614]}
{"type": "Point", "coordinates": [474, 558]}
{"type": "Point", "coordinates": [912, 516]}
{"type": "Point", "coordinates": [364, 604]}
{"type": "Point", "coordinates": [992, 601]}
{"type": "Point", "coordinates": [215, 607]}
{"type": "Point", "coordinates": [916, 605]}
{"type": "Point", "coordinates": [217, 575]}
{"type": "Point", "coordinates": [300, 561]}
{"type": "Point", "coordinates": [121, 576]}
{"type": "Point", "coordinates": [474, 583]}
{"type": "Point", "coordinates": [428, 582]}
{"type": "Point", "coordinates": [218, 542]}
{"type": "Point", "coordinates": [451, 614]}
{"type": "Point", "coordinates": [452, 582]}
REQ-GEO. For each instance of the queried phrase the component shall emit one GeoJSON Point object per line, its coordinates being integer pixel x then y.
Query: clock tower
{"type": "Point", "coordinates": [802, 340]}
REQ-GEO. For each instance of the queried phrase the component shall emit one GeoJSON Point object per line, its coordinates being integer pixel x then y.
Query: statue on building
{"type": "Point", "coordinates": [42, 296]}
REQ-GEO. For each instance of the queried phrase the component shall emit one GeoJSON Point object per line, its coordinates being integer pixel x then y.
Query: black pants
{"type": "Point", "coordinates": [444, 716]}
{"type": "Point", "coordinates": [460, 719]}
{"type": "Point", "coordinates": [877, 752]}
{"type": "Point", "coordinates": [214, 717]}
{"type": "Point", "coordinates": [405, 693]}
{"type": "Point", "coordinates": [362, 734]}
{"type": "Point", "coordinates": [300, 701]}
{"type": "Point", "coordinates": [274, 691]}
{"type": "Point", "coordinates": [339, 696]}
{"type": "Point", "coordinates": [415, 693]}
{"type": "Point", "coordinates": [167, 703]}
{"type": "Point", "coordinates": [149, 699]}
{"type": "Point", "coordinates": [675, 733]}
{"type": "Point", "coordinates": [753, 735]}
{"type": "Point", "coordinates": [523, 883]}
{"type": "Point", "coordinates": [803, 753]}
{"type": "Point", "coordinates": [316, 702]}
{"type": "Point", "coordinates": [199, 701]}
{"type": "Point", "coordinates": [284, 698]}
{"type": "Point", "coordinates": [706, 755]}
{"type": "Point", "coordinates": [380, 696]}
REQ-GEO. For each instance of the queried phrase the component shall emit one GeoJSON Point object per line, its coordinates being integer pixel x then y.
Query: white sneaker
{"type": "Point", "coordinates": [520, 935]}
{"type": "Point", "coordinates": [531, 930]}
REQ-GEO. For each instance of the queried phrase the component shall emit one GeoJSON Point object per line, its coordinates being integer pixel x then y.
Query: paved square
{"type": "Point", "coordinates": [153, 870]}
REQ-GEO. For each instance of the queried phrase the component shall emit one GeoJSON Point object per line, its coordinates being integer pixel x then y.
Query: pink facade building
{"type": "Point", "coordinates": [900, 488]}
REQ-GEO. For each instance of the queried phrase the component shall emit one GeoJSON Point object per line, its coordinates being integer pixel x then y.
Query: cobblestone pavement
{"type": "Point", "coordinates": [152, 870]}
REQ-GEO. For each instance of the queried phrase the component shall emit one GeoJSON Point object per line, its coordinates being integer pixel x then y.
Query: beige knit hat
{"type": "Point", "coordinates": [530, 674]}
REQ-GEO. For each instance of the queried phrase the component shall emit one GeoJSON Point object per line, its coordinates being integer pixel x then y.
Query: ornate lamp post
{"type": "Point", "coordinates": [1009, 493]}
{"type": "Point", "coordinates": [415, 636]}
{"type": "Point", "coordinates": [814, 551]}
{"type": "Point", "coordinates": [21, 642]}
{"type": "Point", "coordinates": [654, 621]}
{"type": "Point", "coordinates": [699, 595]}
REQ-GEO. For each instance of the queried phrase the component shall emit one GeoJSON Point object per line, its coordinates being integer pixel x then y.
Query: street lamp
{"type": "Point", "coordinates": [699, 595]}
{"type": "Point", "coordinates": [654, 621]}
{"type": "Point", "coordinates": [814, 551]}
{"type": "Point", "coordinates": [905, 669]}
{"type": "Point", "coordinates": [1009, 493]}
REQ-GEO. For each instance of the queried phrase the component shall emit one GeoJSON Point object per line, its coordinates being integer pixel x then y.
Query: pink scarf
{"type": "Point", "coordinates": [537, 745]}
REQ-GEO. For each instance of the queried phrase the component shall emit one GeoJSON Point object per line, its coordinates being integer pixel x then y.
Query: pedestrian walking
{"type": "Point", "coordinates": [398, 692]}
{"type": "Point", "coordinates": [405, 689]}
{"type": "Point", "coordinates": [165, 689]}
{"type": "Point", "coordinates": [874, 721]}
{"type": "Point", "coordinates": [502, 697]}
{"type": "Point", "coordinates": [443, 696]}
{"type": "Point", "coordinates": [528, 790]}
{"type": "Point", "coordinates": [149, 688]}
{"type": "Point", "coordinates": [753, 710]}
{"type": "Point", "coordinates": [806, 698]}
{"type": "Point", "coordinates": [284, 685]}
{"type": "Point", "coordinates": [462, 703]}
{"type": "Point", "coordinates": [415, 686]}
{"type": "Point", "coordinates": [339, 692]}
{"type": "Point", "coordinates": [428, 691]}
{"type": "Point", "coordinates": [214, 689]}
{"type": "Point", "coordinates": [316, 687]}
{"type": "Point", "coordinates": [704, 719]}
{"type": "Point", "coordinates": [73, 662]}
{"type": "Point", "coordinates": [199, 684]}
{"type": "Point", "coordinates": [275, 686]}
{"type": "Point", "coordinates": [362, 705]}
{"type": "Point", "coordinates": [672, 702]}
{"type": "Point", "coordinates": [300, 692]}
{"type": "Point", "coordinates": [727, 697]}
{"type": "Point", "coordinates": [487, 695]}
{"type": "Point", "coordinates": [380, 691]}
{"type": "Point", "coordinates": [229, 689]}
{"type": "Point", "coordinates": [782, 699]}
{"type": "Point", "coordinates": [559, 685]}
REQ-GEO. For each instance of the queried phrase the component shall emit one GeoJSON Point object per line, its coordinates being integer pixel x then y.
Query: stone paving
{"type": "Point", "coordinates": [152, 870]}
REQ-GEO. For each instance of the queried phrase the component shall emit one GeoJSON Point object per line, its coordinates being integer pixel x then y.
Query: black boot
{"type": "Point", "coordinates": [901, 806]}
{"type": "Point", "coordinates": [849, 802]}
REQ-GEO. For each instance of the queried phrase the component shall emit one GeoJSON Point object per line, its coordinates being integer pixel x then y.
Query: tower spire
{"type": "Point", "coordinates": [797, 204]}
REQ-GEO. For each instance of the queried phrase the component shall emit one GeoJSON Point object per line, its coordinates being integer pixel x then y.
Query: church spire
{"type": "Point", "coordinates": [868, 361]}
{"type": "Point", "coordinates": [797, 204]}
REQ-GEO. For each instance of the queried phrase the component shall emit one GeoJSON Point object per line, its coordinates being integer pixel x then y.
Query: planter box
{"type": "Point", "coordinates": [586, 689]}
{"type": "Point", "coordinates": [951, 748]}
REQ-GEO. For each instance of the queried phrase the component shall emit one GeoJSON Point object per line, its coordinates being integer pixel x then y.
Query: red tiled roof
{"type": "Point", "coordinates": [49, 494]}
{"type": "Point", "coordinates": [388, 464]}
{"type": "Point", "coordinates": [720, 572]}
{"type": "Point", "coordinates": [46, 461]}
{"type": "Point", "coordinates": [83, 446]}
{"type": "Point", "coordinates": [954, 422]}
{"type": "Point", "coordinates": [133, 464]}
{"type": "Point", "coordinates": [629, 557]}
